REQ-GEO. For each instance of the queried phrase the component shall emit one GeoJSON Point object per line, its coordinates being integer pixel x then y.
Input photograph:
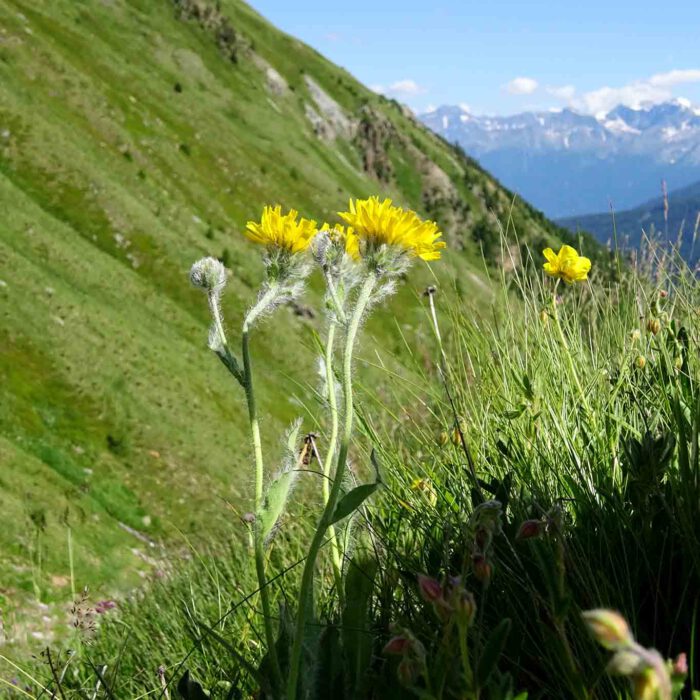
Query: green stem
{"type": "Point", "coordinates": [332, 442]}
{"type": "Point", "coordinates": [259, 479]}
{"type": "Point", "coordinates": [324, 522]}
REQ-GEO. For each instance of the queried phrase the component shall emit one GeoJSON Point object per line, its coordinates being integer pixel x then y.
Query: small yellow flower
{"type": "Point", "coordinates": [282, 230]}
{"type": "Point", "coordinates": [381, 223]}
{"type": "Point", "coordinates": [567, 264]}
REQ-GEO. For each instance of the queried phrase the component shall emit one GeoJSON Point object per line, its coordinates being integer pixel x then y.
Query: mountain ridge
{"type": "Point", "coordinates": [567, 163]}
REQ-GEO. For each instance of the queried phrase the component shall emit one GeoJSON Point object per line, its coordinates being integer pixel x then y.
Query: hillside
{"type": "Point", "coordinates": [136, 137]}
{"type": "Point", "coordinates": [682, 225]}
{"type": "Point", "coordinates": [567, 163]}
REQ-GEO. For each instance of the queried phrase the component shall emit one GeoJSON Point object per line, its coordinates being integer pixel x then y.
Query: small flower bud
{"type": "Point", "coordinates": [443, 438]}
{"type": "Point", "coordinates": [609, 628]}
{"type": "Point", "coordinates": [636, 335]}
{"type": "Point", "coordinates": [481, 568]}
{"type": "Point", "coordinates": [663, 293]}
{"type": "Point", "coordinates": [465, 606]}
{"type": "Point", "coordinates": [646, 685]}
{"type": "Point", "coordinates": [430, 589]}
{"type": "Point", "coordinates": [625, 663]}
{"type": "Point", "coordinates": [544, 316]}
{"type": "Point", "coordinates": [208, 274]}
{"type": "Point", "coordinates": [408, 672]}
{"type": "Point", "coordinates": [640, 362]}
{"type": "Point", "coordinates": [654, 325]}
{"type": "Point", "coordinates": [680, 665]}
{"type": "Point", "coordinates": [678, 363]}
{"type": "Point", "coordinates": [397, 645]}
{"type": "Point", "coordinates": [530, 529]}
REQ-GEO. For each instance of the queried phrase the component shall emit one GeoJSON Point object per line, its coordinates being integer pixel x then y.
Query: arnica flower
{"type": "Point", "coordinates": [282, 230]}
{"type": "Point", "coordinates": [380, 223]}
{"type": "Point", "coordinates": [567, 264]}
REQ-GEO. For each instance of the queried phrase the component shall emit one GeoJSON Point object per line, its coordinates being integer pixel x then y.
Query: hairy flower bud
{"type": "Point", "coordinates": [609, 628]}
{"type": "Point", "coordinates": [640, 362]}
{"type": "Point", "coordinates": [208, 274]}
{"type": "Point", "coordinates": [465, 606]}
{"type": "Point", "coordinates": [530, 529]}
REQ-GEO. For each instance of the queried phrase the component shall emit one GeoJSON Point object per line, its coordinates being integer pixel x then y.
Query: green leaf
{"type": "Point", "coordinates": [191, 690]}
{"type": "Point", "coordinates": [275, 501]}
{"type": "Point", "coordinates": [492, 651]}
{"type": "Point", "coordinates": [352, 500]}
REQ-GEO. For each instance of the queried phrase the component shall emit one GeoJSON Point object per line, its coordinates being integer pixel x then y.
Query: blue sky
{"type": "Point", "coordinates": [505, 56]}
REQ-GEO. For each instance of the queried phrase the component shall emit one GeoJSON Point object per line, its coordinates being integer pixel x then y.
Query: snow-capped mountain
{"type": "Point", "coordinates": [568, 163]}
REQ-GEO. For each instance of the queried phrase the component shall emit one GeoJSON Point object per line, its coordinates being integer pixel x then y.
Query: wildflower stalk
{"type": "Point", "coordinates": [332, 442]}
{"type": "Point", "coordinates": [327, 515]}
{"type": "Point", "coordinates": [259, 308]}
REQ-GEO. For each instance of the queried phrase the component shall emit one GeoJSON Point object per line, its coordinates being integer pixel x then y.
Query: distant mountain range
{"type": "Point", "coordinates": [683, 223]}
{"type": "Point", "coordinates": [567, 163]}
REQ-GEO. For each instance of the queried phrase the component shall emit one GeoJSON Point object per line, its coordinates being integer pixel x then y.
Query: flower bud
{"type": "Point", "coordinates": [398, 645]}
{"type": "Point", "coordinates": [408, 672]}
{"type": "Point", "coordinates": [654, 325]}
{"type": "Point", "coordinates": [465, 606]}
{"type": "Point", "coordinates": [646, 685]}
{"type": "Point", "coordinates": [430, 589]}
{"type": "Point", "coordinates": [663, 293]}
{"type": "Point", "coordinates": [443, 438]}
{"type": "Point", "coordinates": [609, 628]}
{"type": "Point", "coordinates": [482, 569]}
{"type": "Point", "coordinates": [640, 362]}
{"type": "Point", "coordinates": [208, 274]}
{"type": "Point", "coordinates": [530, 529]}
{"type": "Point", "coordinates": [636, 335]}
{"type": "Point", "coordinates": [680, 665]}
{"type": "Point", "coordinates": [544, 316]}
{"type": "Point", "coordinates": [678, 363]}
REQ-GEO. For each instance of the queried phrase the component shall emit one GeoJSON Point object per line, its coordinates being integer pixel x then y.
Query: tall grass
{"type": "Point", "coordinates": [544, 493]}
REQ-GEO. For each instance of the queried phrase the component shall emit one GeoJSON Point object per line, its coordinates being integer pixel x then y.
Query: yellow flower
{"type": "Point", "coordinates": [425, 487]}
{"type": "Point", "coordinates": [338, 232]}
{"type": "Point", "coordinates": [567, 264]}
{"type": "Point", "coordinates": [283, 231]}
{"type": "Point", "coordinates": [381, 223]}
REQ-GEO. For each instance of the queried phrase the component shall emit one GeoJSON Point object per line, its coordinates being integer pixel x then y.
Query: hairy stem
{"type": "Point", "coordinates": [332, 442]}
{"type": "Point", "coordinates": [259, 308]}
{"type": "Point", "coordinates": [334, 495]}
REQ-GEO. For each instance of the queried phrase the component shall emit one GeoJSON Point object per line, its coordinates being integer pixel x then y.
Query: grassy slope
{"type": "Point", "coordinates": [111, 184]}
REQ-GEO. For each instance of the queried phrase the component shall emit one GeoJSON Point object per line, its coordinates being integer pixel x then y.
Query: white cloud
{"type": "Point", "coordinates": [465, 107]}
{"type": "Point", "coordinates": [652, 90]}
{"type": "Point", "coordinates": [400, 88]}
{"type": "Point", "coordinates": [522, 86]}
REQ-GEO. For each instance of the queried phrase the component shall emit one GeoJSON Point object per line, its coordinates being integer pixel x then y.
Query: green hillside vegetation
{"type": "Point", "coordinates": [677, 225]}
{"type": "Point", "coordinates": [135, 137]}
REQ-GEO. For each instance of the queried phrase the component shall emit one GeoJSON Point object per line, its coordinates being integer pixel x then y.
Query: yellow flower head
{"type": "Point", "coordinates": [567, 264]}
{"type": "Point", "coordinates": [381, 223]}
{"type": "Point", "coordinates": [338, 233]}
{"type": "Point", "coordinates": [282, 231]}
